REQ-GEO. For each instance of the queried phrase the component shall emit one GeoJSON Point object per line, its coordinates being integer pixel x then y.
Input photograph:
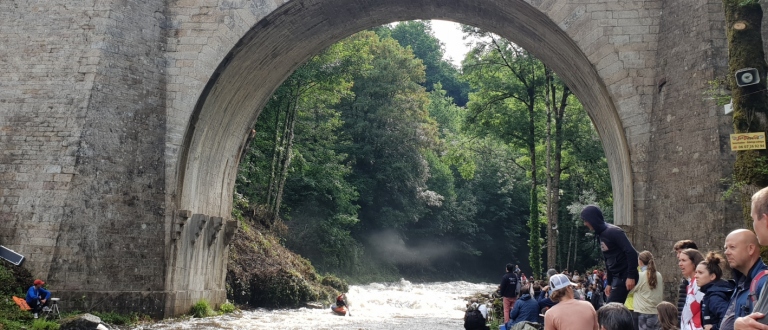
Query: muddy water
{"type": "Point", "coordinates": [393, 306]}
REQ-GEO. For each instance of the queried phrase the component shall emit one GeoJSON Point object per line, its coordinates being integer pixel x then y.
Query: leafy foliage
{"type": "Point", "coordinates": [201, 309]}
{"type": "Point", "coordinates": [44, 325]}
{"type": "Point", "coordinates": [418, 36]}
{"type": "Point", "coordinates": [377, 170]}
{"type": "Point", "coordinates": [227, 308]}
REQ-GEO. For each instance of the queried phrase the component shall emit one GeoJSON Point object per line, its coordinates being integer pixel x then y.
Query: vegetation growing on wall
{"type": "Point", "coordinates": [750, 103]}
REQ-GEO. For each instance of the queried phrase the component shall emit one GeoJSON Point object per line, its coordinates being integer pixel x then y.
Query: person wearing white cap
{"type": "Point", "coordinates": [569, 313]}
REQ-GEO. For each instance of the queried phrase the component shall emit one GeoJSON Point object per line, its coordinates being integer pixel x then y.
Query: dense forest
{"type": "Point", "coordinates": [378, 159]}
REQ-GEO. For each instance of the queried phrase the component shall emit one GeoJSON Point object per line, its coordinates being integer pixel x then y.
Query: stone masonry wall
{"type": "Point", "coordinates": [83, 129]}
{"type": "Point", "coordinates": [689, 152]}
{"type": "Point", "coordinates": [46, 75]}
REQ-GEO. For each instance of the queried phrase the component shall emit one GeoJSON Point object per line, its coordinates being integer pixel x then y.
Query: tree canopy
{"type": "Point", "coordinates": [378, 159]}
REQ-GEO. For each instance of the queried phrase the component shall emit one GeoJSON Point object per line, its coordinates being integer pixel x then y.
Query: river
{"type": "Point", "coordinates": [392, 306]}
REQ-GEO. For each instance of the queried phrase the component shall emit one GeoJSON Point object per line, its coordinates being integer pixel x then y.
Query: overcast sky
{"type": "Point", "coordinates": [450, 34]}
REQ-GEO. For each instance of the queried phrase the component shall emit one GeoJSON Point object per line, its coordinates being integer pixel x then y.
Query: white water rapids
{"type": "Point", "coordinates": [394, 306]}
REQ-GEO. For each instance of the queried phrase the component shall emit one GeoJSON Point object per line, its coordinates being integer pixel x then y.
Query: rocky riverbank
{"type": "Point", "coordinates": [263, 273]}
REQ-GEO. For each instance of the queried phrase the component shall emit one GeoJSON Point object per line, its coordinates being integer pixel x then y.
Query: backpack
{"type": "Point", "coordinates": [759, 306]}
{"type": "Point", "coordinates": [473, 319]}
{"type": "Point", "coordinates": [753, 287]}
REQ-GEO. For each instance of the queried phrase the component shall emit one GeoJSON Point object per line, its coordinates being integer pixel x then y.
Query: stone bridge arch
{"type": "Point", "coordinates": [611, 79]}
{"type": "Point", "coordinates": [121, 122]}
{"type": "Point", "coordinates": [613, 82]}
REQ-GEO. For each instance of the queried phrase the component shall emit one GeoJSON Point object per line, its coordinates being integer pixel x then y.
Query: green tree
{"type": "Point", "coordinates": [418, 35]}
{"type": "Point", "coordinates": [585, 180]}
{"type": "Point", "coordinates": [386, 127]}
{"type": "Point", "coordinates": [352, 145]}
{"type": "Point", "coordinates": [508, 83]}
{"type": "Point", "coordinates": [290, 169]}
{"type": "Point", "coordinates": [555, 107]}
{"type": "Point", "coordinates": [312, 88]}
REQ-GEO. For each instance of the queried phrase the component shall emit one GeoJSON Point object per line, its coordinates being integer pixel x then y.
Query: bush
{"type": "Point", "coordinates": [335, 283]}
{"type": "Point", "coordinates": [281, 289]}
{"type": "Point", "coordinates": [10, 311]}
{"type": "Point", "coordinates": [12, 325]}
{"type": "Point", "coordinates": [6, 281]}
{"type": "Point", "coordinates": [201, 309]}
{"type": "Point", "coordinates": [14, 280]}
{"type": "Point", "coordinates": [227, 308]}
{"type": "Point", "coordinates": [44, 325]}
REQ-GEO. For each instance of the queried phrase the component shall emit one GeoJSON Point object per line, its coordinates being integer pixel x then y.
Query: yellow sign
{"type": "Point", "coordinates": [747, 141]}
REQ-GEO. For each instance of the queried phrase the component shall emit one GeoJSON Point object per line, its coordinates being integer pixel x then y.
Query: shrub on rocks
{"type": "Point", "coordinates": [201, 309]}
{"type": "Point", "coordinates": [227, 308]}
{"type": "Point", "coordinates": [283, 289]}
{"type": "Point", "coordinates": [335, 283]}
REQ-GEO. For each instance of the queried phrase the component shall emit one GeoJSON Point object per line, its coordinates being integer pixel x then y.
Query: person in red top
{"type": "Point", "coordinates": [569, 313]}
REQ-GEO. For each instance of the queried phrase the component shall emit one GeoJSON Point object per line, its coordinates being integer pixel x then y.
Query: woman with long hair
{"type": "Point", "coordinates": [667, 316]}
{"type": "Point", "coordinates": [691, 317]}
{"type": "Point", "coordinates": [648, 293]}
{"type": "Point", "coordinates": [717, 292]}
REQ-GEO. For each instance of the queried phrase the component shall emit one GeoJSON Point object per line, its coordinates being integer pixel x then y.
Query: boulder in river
{"type": "Point", "coordinates": [83, 322]}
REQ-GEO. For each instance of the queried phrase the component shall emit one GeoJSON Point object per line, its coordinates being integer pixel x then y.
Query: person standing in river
{"type": "Point", "coordinates": [509, 290]}
{"type": "Point", "coordinates": [619, 254]}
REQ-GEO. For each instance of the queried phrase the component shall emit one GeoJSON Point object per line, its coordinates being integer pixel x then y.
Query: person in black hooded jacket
{"type": "Point", "coordinates": [717, 292]}
{"type": "Point", "coordinates": [619, 254]}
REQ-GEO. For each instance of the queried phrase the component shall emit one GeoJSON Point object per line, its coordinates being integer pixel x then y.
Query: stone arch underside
{"type": "Point", "coordinates": [276, 45]}
{"type": "Point", "coordinates": [230, 75]}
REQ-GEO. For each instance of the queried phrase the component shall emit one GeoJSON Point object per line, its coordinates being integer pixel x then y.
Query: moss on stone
{"type": "Point", "coordinates": [750, 103]}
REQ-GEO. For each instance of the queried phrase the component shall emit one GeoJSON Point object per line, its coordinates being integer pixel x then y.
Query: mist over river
{"type": "Point", "coordinates": [400, 305]}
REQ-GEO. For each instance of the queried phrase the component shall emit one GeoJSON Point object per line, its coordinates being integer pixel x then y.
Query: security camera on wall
{"type": "Point", "coordinates": [746, 77]}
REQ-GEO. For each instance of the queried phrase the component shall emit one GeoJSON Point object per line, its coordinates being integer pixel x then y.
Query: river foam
{"type": "Point", "coordinates": [400, 305]}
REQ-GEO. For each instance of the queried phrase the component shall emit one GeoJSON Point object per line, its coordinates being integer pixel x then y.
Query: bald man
{"type": "Point", "coordinates": [742, 251]}
{"type": "Point", "coordinates": [760, 223]}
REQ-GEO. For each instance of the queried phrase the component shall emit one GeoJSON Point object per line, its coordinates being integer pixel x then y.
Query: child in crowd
{"type": "Point", "coordinates": [667, 316]}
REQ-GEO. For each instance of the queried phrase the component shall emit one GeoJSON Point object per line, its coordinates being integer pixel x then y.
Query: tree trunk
{"type": "Point", "coordinates": [534, 243]}
{"type": "Point", "coordinates": [575, 245]}
{"type": "Point", "coordinates": [286, 163]}
{"type": "Point", "coordinates": [273, 167]}
{"type": "Point", "coordinates": [557, 169]}
{"type": "Point", "coordinates": [743, 20]}
{"type": "Point", "coordinates": [551, 220]}
{"type": "Point", "coordinates": [286, 152]}
{"type": "Point", "coordinates": [554, 166]}
{"type": "Point", "coordinates": [568, 256]}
